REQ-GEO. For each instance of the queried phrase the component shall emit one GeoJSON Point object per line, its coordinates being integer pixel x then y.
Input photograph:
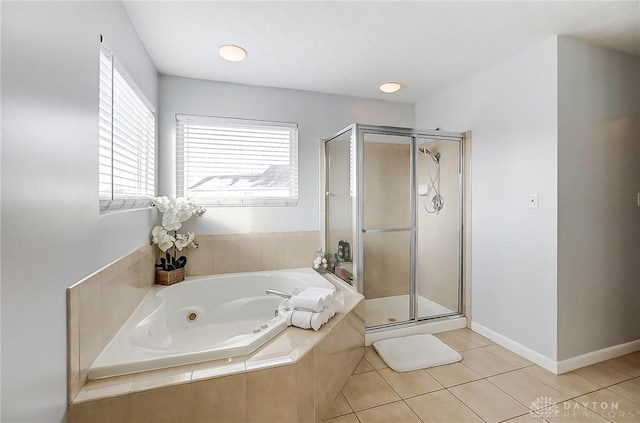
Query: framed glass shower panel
{"type": "Point", "coordinates": [439, 232]}
{"type": "Point", "coordinates": [339, 205]}
{"type": "Point", "coordinates": [387, 227]}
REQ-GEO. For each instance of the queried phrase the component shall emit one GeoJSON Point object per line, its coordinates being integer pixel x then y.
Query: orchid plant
{"type": "Point", "coordinates": [174, 213]}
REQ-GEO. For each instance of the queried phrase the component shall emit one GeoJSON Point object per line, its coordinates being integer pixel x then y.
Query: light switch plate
{"type": "Point", "coordinates": [533, 201]}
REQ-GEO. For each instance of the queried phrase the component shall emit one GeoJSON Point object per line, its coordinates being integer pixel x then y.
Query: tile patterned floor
{"type": "Point", "coordinates": [490, 384]}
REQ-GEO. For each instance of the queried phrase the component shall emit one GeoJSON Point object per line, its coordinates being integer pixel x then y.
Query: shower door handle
{"type": "Point", "coordinates": [376, 231]}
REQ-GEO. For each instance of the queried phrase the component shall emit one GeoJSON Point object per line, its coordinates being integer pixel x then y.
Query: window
{"type": "Point", "coordinates": [237, 162]}
{"type": "Point", "coordinates": [127, 138]}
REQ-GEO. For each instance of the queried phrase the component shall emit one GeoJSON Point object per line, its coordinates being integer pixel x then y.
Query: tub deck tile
{"type": "Point", "coordinates": [106, 391]}
{"type": "Point", "coordinates": [160, 382]}
{"type": "Point", "coordinates": [211, 370]}
{"type": "Point", "coordinates": [266, 363]}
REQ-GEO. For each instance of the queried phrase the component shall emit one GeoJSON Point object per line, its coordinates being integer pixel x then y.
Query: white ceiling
{"type": "Point", "coordinates": [351, 47]}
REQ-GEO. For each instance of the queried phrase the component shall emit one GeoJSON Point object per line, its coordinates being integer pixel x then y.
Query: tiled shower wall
{"type": "Point", "coordinates": [98, 306]}
{"type": "Point", "coordinates": [230, 253]}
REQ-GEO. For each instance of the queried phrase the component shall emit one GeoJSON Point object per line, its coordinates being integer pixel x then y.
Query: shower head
{"type": "Point", "coordinates": [435, 157]}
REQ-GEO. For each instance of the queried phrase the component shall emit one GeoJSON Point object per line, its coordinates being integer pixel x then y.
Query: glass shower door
{"type": "Point", "coordinates": [338, 205]}
{"type": "Point", "coordinates": [439, 230]}
{"type": "Point", "coordinates": [387, 228]}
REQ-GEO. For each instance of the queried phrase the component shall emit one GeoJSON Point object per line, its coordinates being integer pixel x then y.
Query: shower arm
{"type": "Point", "coordinates": [435, 157]}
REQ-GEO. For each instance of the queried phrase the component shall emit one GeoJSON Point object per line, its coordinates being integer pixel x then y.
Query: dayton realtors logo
{"type": "Point", "coordinates": [607, 409]}
{"type": "Point", "coordinates": [547, 408]}
{"type": "Point", "coordinates": [544, 407]}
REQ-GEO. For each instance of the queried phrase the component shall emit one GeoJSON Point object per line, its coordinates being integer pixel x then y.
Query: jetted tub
{"type": "Point", "coordinates": [203, 318]}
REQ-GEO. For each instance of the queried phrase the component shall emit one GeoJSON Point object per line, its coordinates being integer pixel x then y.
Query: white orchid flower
{"type": "Point", "coordinates": [180, 242]}
{"type": "Point", "coordinates": [183, 240]}
{"type": "Point", "coordinates": [166, 242]}
{"type": "Point", "coordinates": [184, 215]}
{"type": "Point", "coordinates": [156, 233]}
{"type": "Point", "coordinates": [183, 209]}
{"type": "Point", "coordinates": [170, 221]}
{"type": "Point", "coordinates": [162, 203]}
{"type": "Point", "coordinates": [196, 210]}
{"type": "Point", "coordinates": [162, 238]}
{"type": "Point", "coordinates": [191, 241]}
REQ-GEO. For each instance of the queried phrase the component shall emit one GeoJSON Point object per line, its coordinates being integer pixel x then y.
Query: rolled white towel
{"type": "Point", "coordinates": [286, 313]}
{"type": "Point", "coordinates": [307, 302]}
{"type": "Point", "coordinates": [332, 309]}
{"type": "Point", "coordinates": [326, 315]}
{"type": "Point", "coordinates": [306, 319]}
{"type": "Point", "coordinates": [327, 295]}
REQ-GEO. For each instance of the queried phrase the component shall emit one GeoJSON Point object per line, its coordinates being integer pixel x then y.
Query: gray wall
{"type": "Point", "coordinates": [318, 116]}
{"type": "Point", "coordinates": [560, 119]}
{"type": "Point", "coordinates": [511, 110]}
{"type": "Point", "coordinates": [52, 233]}
{"type": "Point", "coordinates": [598, 181]}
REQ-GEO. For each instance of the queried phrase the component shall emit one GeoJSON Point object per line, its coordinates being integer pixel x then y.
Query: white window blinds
{"type": "Point", "coordinates": [127, 140]}
{"type": "Point", "coordinates": [237, 162]}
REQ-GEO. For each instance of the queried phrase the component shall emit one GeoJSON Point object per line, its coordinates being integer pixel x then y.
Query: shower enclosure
{"type": "Point", "coordinates": [393, 227]}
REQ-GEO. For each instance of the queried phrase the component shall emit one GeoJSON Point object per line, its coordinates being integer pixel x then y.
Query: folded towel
{"type": "Point", "coordinates": [304, 302]}
{"type": "Point", "coordinates": [313, 298]}
{"type": "Point", "coordinates": [306, 319]}
{"type": "Point", "coordinates": [328, 295]}
{"type": "Point", "coordinates": [311, 308]}
{"type": "Point", "coordinates": [326, 315]}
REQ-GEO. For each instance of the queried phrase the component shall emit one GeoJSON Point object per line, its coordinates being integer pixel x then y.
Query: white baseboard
{"type": "Point", "coordinates": [562, 366]}
{"type": "Point", "coordinates": [598, 356]}
{"type": "Point", "coordinates": [428, 328]}
{"type": "Point", "coordinates": [508, 343]}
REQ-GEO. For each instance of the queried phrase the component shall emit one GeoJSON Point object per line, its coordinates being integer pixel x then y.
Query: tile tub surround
{"type": "Point", "coordinates": [98, 306]}
{"type": "Point", "coordinates": [294, 377]}
{"type": "Point", "coordinates": [251, 252]}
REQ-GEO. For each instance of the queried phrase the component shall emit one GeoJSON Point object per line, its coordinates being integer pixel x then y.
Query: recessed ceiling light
{"type": "Point", "coordinates": [390, 87]}
{"type": "Point", "coordinates": [232, 53]}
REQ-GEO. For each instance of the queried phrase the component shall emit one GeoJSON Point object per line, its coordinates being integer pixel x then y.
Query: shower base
{"type": "Point", "coordinates": [395, 309]}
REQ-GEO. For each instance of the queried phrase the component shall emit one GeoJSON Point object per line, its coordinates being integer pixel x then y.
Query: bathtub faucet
{"type": "Point", "coordinates": [278, 293]}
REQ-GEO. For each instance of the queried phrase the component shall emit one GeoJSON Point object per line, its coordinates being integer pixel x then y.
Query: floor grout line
{"type": "Point", "coordinates": [414, 413]}
{"type": "Point", "coordinates": [465, 404]}
{"type": "Point", "coordinates": [517, 400]}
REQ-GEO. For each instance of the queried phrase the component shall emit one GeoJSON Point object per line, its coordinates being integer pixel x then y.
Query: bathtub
{"type": "Point", "coordinates": [203, 318]}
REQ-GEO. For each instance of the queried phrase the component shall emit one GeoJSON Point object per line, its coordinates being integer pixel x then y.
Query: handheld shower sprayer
{"type": "Point", "coordinates": [437, 201]}
{"type": "Point", "coordinates": [435, 157]}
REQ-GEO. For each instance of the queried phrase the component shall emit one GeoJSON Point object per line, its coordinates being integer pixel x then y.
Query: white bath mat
{"type": "Point", "coordinates": [415, 352]}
